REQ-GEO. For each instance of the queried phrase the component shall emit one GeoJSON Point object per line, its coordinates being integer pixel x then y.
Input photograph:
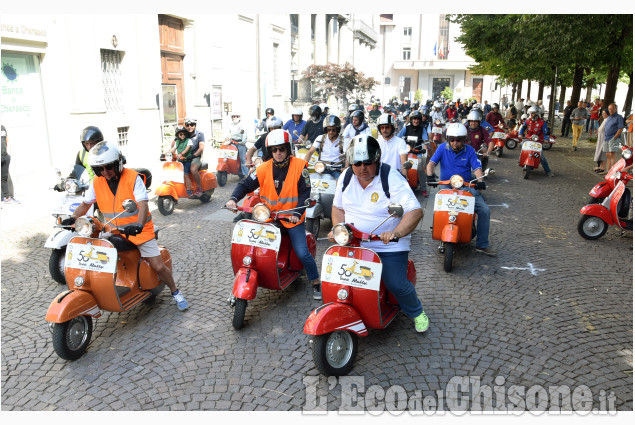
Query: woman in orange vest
{"type": "Point", "coordinates": [113, 184]}
{"type": "Point", "coordinates": [284, 184]}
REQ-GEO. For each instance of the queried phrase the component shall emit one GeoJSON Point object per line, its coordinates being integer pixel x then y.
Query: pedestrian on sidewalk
{"type": "Point", "coordinates": [595, 116]}
{"type": "Point", "coordinates": [7, 184]}
{"type": "Point", "coordinates": [629, 136]}
{"type": "Point", "coordinates": [600, 155]}
{"type": "Point", "coordinates": [578, 116]}
{"type": "Point", "coordinates": [566, 120]}
{"type": "Point", "coordinates": [612, 132]}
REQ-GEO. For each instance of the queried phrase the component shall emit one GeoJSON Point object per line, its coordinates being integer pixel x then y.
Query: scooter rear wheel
{"type": "Point", "coordinates": [222, 178]}
{"type": "Point", "coordinates": [207, 196]}
{"type": "Point", "coordinates": [239, 313]}
{"type": "Point", "coordinates": [57, 264]}
{"type": "Point", "coordinates": [546, 146]}
{"type": "Point", "coordinates": [166, 205]}
{"type": "Point", "coordinates": [334, 353]}
{"type": "Point", "coordinates": [591, 227]}
{"type": "Point", "coordinates": [313, 226]}
{"type": "Point", "coordinates": [511, 144]}
{"type": "Point", "coordinates": [70, 339]}
{"type": "Point", "coordinates": [447, 259]}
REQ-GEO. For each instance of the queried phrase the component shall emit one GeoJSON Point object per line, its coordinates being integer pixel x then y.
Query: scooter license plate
{"type": "Point", "coordinates": [326, 186]}
{"type": "Point", "coordinates": [68, 205]}
{"type": "Point", "coordinates": [414, 161]}
{"type": "Point", "coordinates": [351, 272]}
{"type": "Point", "coordinates": [260, 235]}
{"type": "Point", "coordinates": [228, 153]}
{"type": "Point", "coordinates": [454, 202]}
{"type": "Point", "coordinates": [498, 135]}
{"type": "Point", "coordinates": [91, 257]}
{"type": "Point", "coordinates": [532, 146]}
{"type": "Point", "coordinates": [437, 130]}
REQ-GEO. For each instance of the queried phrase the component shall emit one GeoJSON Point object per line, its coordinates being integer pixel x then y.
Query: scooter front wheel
{"type": "Point", "coordinates": [166, 205]}
{"type": "Point", "coordinates": [546, 146]}
{"type": "Point", "coordinates": [239, 313]}
{"type": "Point", "coordinates": [526, 173]}
{"type": "Point", "coordinates": [222, 178]}
{"type": "Point", "coordinates": [591, 227]}
{"type": "Point", "coordinates": [70, 339]}
{"type": "Point", "coordinates": [447, 259]}
{"type": "Point", "coordinates": [511, 144]}
{"type": "Point", "coordinates": [499, 152]}
{"type": "Point", "coordinates": [334, 353]}
{"type": "Point", "coordinates": [57, 264]}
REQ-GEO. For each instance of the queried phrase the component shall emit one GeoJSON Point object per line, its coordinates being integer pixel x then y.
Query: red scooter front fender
{"type": "Point", "coordinates": [166, 189]}
{"type": "Point", "coordinates": [246, 284]}
{"type": "Point", "coordinates": [598, 210]}
{"type": "Point", "coordinates": [450, 233]}
{"type": "Point", "coordinates": [334, 317]}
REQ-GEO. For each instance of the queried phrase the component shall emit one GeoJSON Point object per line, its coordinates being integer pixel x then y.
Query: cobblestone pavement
{"type": "Point", "coordinates": [551, 309]}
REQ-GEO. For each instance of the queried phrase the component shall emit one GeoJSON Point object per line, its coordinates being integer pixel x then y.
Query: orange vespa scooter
{"type": "Point", "coordinates": [173, 187]}
{"type": "Point", "coordinates": [104, 271]}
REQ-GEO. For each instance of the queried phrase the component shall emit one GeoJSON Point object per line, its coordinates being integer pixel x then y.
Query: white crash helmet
{"type": "Point", "coordinates": [436, 105]}
{"type": "Point", "coordinates": [104, 153]}
{"type": "Point", "coordinates": [456, 130]}
{"type": "Point", "coordinates": [533, 110]}
{"type": "Point", "coordinates": [278, 137]}
{"type": "Point", "coordinates": [274, 122]}
{"type": "Point", "coordinates": [298, 111]}
{"type": "Point", "coordinates": [364, 148]}
{"type": "Point", "coordinates": [474, 116]}
{"type": "Point", "coordinates": [386, 119]}
{"type": "Point", "coordinates": [524, 117]}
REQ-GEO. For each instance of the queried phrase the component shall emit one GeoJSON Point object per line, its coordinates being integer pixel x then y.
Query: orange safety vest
{"type": "Point", "coordinates": [110, 205]}
{"type": "Point", "coordinates": [288, 197]}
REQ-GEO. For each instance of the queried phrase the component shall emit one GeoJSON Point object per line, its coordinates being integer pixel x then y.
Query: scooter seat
{"type": "Point", "coordinates": [121, 243]}
{"type": "Point", "coordinates": [204, 166]}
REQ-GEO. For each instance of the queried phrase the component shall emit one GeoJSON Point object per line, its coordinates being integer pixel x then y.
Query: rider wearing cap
{"type": "Point", "coordinates": [456, 157]}
{"type": "Point", "coordinates": [284, 184]}
{"type": "Point", "coordinates": [365, 204]}
{"type": "Point", "coordinates": [111, 186]}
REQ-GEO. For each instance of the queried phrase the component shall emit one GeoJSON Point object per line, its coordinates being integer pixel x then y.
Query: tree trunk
{"type": "Point", "coordinates": [513, 98]}
{"type": "Point", "coordinates": [589, 89]}
{"type": "Point", "coordinates": [541, 90]}
{"type": "Point", "coordinates": [611, 85]}
{"type": "Point", "coordinates": [629, 96]}
{"type": "Point", "coordinates": [520, 89]}
{"type": "Point", "coordinates": [563, 92]}
{"type": "Point", "coordinates": [528, 89]}
{"type": "Point", "coordinates": [578, 74]}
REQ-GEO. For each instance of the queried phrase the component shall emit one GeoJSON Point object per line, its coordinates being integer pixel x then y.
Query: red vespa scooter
{"type": "Point", "coordinates": [228, 161]}
{"type": "Point", "coordinates": [596, 218]}
{"type": "Point", "coordinates": [530, 154]}
{"type": "Point", "coordinates": [603, 189]}
{"type": "Point", "coordinates": [262, 256]}
{"type": "Point", "coordinates": [498, 137]}
{"type": "Point", "coordinates": [355, 299]}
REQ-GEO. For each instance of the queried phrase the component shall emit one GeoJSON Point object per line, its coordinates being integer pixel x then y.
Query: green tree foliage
{"type": "Point", "coordinates": [339, 81]}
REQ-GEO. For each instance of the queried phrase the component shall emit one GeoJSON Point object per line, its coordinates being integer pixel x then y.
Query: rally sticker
{"type": "Point", "coordinates": [319, 185]}
{"type": "Point", "coordinates": [437, 130]}
{"type": "Point", "coordinates": [454, 202]}
{"type": "Point", "coordinates": [228, 153]}
{"type": "Point", "coordinates": [498, 135]}
{"type": "Point", "coordinates": [90, 257]}
{"type": "Point", "coordinates": [68, 205]}
{"type": "Point", "coordinates": [414, 161]}
{"type": "Point", "coordinates": [532, 146]}
{"type": "Point", "coordinates": [256, 234]}
{"type": "Point", "coordinates": [351, 272]}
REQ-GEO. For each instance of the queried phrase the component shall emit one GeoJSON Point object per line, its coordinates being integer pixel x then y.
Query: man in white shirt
{"type": "Point", "coordinates": [329, 145]}
{"type": "Point", "coordinates": [365, 203]}
{"type": "Point", "coordinates": [355, 128]}
{"type": "Point", "coordinates": [394, 150]}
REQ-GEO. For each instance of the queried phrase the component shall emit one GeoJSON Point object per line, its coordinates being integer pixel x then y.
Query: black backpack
{"type": "Point", "coordinates": [384, 170]}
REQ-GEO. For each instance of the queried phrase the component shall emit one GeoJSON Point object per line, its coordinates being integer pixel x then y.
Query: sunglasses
{"type": "Point", "coordinates": [190, 124]}
{"type": "Point", "coordinates": [366, 163]}
{"type": "Point", "coordinates": [331, 130]}
{"type": "Point", "coordinates": [454, 139]}
{"type": "Point", "coordinates": [108, 167]}
{"type": "Point", "coordinates": [278, 149]}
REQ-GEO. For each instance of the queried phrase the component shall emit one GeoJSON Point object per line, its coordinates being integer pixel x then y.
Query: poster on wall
{"type": "Point", "coordinates": [216, 103]}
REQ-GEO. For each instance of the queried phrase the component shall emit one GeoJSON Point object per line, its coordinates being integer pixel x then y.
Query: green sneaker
{"type": "Point", "coordinates": [422, 322]}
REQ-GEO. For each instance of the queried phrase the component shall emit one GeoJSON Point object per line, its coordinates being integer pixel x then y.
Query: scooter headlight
{"type": "Point", "coordinates": [71, 186]}
{"type": "Point", "coordinates": [627, 154]}
{"type": "Point", "coordinates": [319, 167]}
{"type": "Point", "coordinates": [342, 294]}
{"type": "Point", "coordinates": [342, 234]}
{"type": "Point", "coordinates": [84, 227]}
{"type": "Point", "coordinates": [246, 260]}
{"type": "Point", "coordinates": [261, 212]}
{"type": "Point", "coordinates": [79, 281]}
{"type": "Point", "coordinates": [534, 137]}
{"type": "Point", "coordinates": [456, 181]}
{"type": "Point", "coordinates": [617, 175]}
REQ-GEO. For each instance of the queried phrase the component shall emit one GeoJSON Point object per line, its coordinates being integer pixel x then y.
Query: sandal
{"type": "Point", "coordinates": [189, 193]}
{"type": "Point", "coordinates": [599, 170]}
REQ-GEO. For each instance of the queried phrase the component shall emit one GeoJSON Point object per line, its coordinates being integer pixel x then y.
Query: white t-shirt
{"type": "Point", "coordinates": [391, 149]}
{"type": "Point", "coordinates": [349, 133]}
{"type": "Point", "coordinates": [366, 208]}
{"type": "Point", "coordinates": [140, 192]}
{"type": "Point", "coordinates": [331, 150]}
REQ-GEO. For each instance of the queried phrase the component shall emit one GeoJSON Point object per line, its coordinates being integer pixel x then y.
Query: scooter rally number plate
{"type": "Point", "coordinates": [228, 153]}
{"type": "Point", "coordinates": [498, 135]}
{"type": "Point", "coordinates": [68, 205]}
{"type": "Point", "coordinates": [532, 146]}
{"type": "Point", "coordinates": [437, 130]}
{"type": "Point", "coordinates": [326, 186]}
{"type": "Point", "coordinates": [414, 161]}
{"type": "Point", "coordinates": [256, 234]}
{"type": "Point", "coordinates": [351, 272]}
{"type": "Point", "coordinates": [454, 202]}
{"type": "Point", "coordinates": [89, 257]}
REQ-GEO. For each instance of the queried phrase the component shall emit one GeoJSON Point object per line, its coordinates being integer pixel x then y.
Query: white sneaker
{"type": "Point", "coordinates": [180, 300]}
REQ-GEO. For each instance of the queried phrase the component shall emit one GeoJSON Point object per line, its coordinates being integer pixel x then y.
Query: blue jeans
{"type": "Point", "coordinates": [297, 235]}
{"type": "Point", "coordinates": [242, 155]}
{"type": "Point", "coordinates": [482, 210]}
{"type": "Point", "coordinates": [394, 274]}
{"type": "Point", "coordinates": [544, 163]}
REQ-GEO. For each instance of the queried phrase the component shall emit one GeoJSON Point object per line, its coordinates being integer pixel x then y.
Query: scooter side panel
{"type": "Point", "coordinates": [332, 317]}
{"type": "Point", "coordinates": [166, 189]}
{"type": "Point", "coordinates": [58, 240]}
{"type": "Point", "coordinates": [208, 180]}
{"type": "Point", "coordinates": [246, 284]}
{"type": "Point", "coordinates": [77, 303]}
{"type": "Point", "coordinates": [601, 190]}
{"type": "Point", "coordinates": [616, 196]}
{"type": "Point", "coordinates": [148, 278]}
{"type": "Point", "coordinates": [600, 211]}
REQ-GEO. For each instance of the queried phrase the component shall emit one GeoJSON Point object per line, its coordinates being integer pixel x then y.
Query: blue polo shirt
{"type": "Point", "coordinates": [613, 124]}
{"type": "Point", "coordinates": [461, 163]}
{"type": "Point", "coordinates": [291, 125]}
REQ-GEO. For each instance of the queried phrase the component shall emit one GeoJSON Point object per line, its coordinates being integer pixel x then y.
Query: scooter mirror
{"type": "Point", "coordinates": [395, 210]}
{"type": "Point", "coordinates": [310, 202]}
{"type": "Point", "coordinates": [58, 173]}
{"type": "Point", "coordinates": [489, 172]}
{"type": "Point", "coordinates": [129, 205]}
{"type": "Point", "coordinates": [295, 133]}
{"type": "Point", "coordinates": [407, 165]}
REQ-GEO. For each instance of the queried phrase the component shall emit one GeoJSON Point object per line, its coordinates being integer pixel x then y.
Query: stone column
{"type": "Point", "coordinates": [305, 48]}
{"type": "Point", "coordinates": [320, 39]}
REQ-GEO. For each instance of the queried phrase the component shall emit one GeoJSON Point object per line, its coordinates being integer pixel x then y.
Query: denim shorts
{"type": "Point", "coordinates": [593, 125]}
{"type": "Point", "coordinates": [186, 166]}
{"type": "Point", "coordinates": [611, 145]}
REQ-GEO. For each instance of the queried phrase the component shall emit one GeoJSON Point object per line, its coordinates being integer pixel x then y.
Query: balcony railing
{"type": "Point", "coordinates": [364, 32]}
